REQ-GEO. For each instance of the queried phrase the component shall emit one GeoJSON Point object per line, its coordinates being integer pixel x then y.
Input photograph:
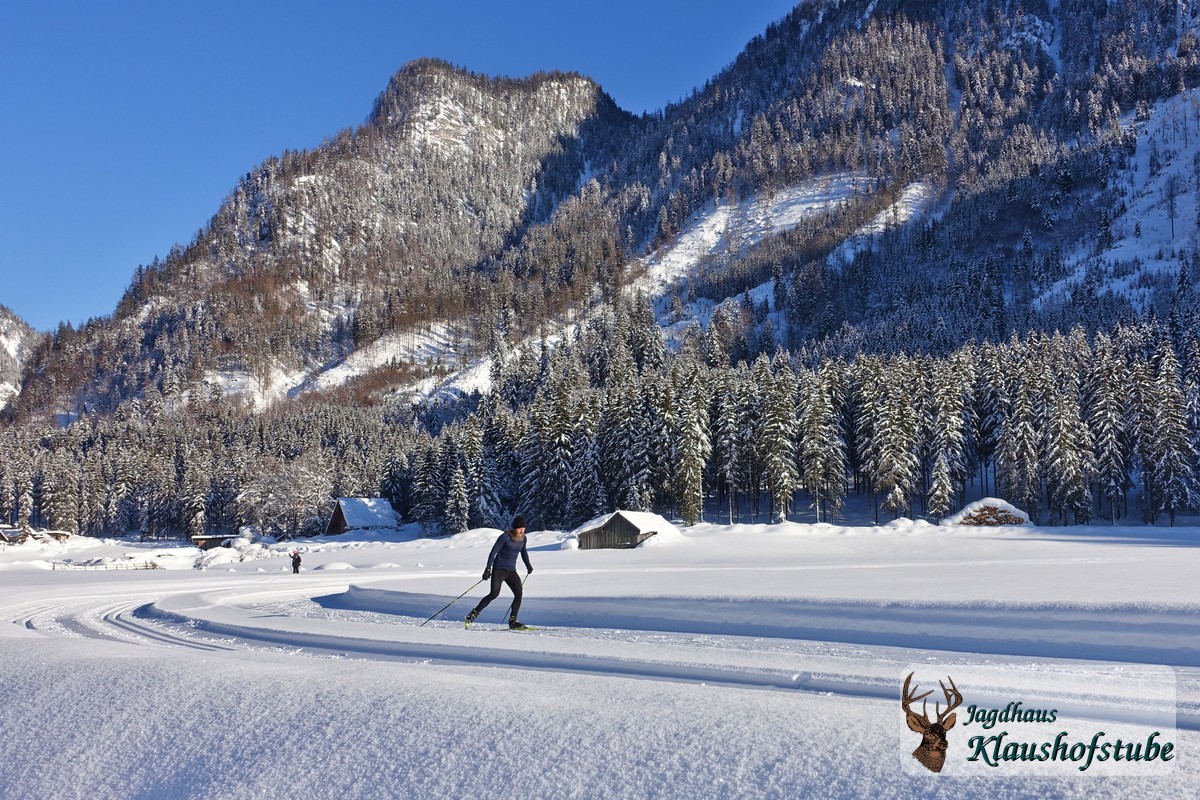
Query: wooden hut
{"type": "Point", "coordinates": [620, 529]}
{"type": "Point", "coordinates": [12, 535]}
{"type": "Point", "coordinates": [208, 542]}
{"type": "Point", "coordinates": [361, 514]}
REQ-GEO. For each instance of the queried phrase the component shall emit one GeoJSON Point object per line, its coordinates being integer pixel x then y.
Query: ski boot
{"type": "Point", "coordinates": [517, 625]}
{"type": "Point", "coordinates": [471, 618]}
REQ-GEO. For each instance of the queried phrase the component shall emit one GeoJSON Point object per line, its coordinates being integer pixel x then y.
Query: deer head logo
{"type": "Point", "coordinates": [932, 752]}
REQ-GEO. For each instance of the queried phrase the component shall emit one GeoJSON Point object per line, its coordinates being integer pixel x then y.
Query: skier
{"type": "Point", "coordinates": [504, 560]}
{"type": "Point", "coordinates": [295, 562]}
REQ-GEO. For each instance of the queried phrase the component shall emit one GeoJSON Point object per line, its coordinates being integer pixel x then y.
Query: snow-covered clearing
{"type": "Point", "coordinates": [737, 227]}
{"type": "Point", "coordinates": [913, 200]}
{"type": "Point", "coordinates": [732, 661]}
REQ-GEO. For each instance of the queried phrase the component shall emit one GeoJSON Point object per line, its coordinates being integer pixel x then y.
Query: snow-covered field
{"type": "Point", "coordinates": [730, 661]}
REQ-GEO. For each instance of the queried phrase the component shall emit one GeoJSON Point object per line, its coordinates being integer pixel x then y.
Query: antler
{"type": "Point", "coordinates": [913, 697]}
{"type": "Point", "coordinates": [954, 699]}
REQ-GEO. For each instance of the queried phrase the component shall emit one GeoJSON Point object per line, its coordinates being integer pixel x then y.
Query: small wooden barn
{"type": "Point", "coordinates": [620, 529]}
{"type": "Point", "coordinates": [12, 535]}
{"type": "Point", "coordinates": [208, 542]}
{"type": "Point", "coordinates": [361, 514]}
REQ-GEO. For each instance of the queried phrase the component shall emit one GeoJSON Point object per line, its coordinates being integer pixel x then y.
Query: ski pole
{"type": "Point", "coordinates": [452, 602]}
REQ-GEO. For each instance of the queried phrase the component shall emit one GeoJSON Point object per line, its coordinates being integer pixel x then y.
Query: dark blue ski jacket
{"type": "Point", "coordinates": [504, 553]}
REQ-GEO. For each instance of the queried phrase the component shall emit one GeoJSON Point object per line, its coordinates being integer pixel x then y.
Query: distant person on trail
{"type": "Point", "coordinates": [502, 568]}
{"type": "Point", "coordinates": [295, 562]}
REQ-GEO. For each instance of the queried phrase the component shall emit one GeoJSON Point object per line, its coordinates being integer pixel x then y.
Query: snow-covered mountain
{"type": "Point", "coordinates": [860, 169]}
{"type": "Point", "coordinates": [17, 339]}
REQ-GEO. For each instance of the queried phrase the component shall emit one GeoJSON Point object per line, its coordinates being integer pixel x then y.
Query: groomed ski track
{"type": "Point", "coordinates": [850, 650]}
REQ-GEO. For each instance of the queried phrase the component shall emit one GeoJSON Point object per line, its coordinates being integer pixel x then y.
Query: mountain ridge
{"type": "Point", "coordinates": [515, 202]}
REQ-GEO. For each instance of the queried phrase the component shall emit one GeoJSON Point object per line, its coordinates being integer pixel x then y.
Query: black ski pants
{"type": "Point", "coordinates": [499, 578]}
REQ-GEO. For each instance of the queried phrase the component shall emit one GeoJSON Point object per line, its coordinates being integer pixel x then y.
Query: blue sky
{"type": "Point", "coordinates": [125, 124]}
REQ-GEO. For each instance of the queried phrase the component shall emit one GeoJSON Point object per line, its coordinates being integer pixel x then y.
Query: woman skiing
{"type": "Point", "coordinates": [502, 568]}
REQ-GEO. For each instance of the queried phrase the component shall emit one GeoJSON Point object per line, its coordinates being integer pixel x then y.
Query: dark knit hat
{"type": "Point", "coordinates": [518, 522]}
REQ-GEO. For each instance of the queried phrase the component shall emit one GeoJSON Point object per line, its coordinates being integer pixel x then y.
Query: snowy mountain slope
{"type": "Point", "coordinates": [506, 205]}
{"type": "Point", "coordinates": [713, 233]}
{"type": "Point", "coordinates": [734, 229]}
{"type": "Point", "coordinates": [17, 339]}
{"type": "Point", "coordinates": [1155, 224]}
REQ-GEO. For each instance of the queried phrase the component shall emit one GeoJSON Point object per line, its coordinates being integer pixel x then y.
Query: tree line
{"type": "Point", "coordinates": [1071, 428]}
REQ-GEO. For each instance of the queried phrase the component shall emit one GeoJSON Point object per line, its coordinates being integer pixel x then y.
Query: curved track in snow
{"type": "Point", "coordinates": [230, 618]}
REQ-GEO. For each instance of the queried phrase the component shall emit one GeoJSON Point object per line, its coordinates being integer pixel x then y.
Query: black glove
{"type": "Point", "coordinates": [487, 573]}
{"type": "Point", "coordinates": [529, 570]}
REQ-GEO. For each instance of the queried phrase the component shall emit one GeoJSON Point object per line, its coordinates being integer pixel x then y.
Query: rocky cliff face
{"type": "Point", "coordinates": [17, 339]}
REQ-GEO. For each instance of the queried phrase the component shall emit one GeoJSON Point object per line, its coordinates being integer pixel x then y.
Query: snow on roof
{"type": "Point", "coordinates": [367, 512]}
{"type": "Point", "coordinates": [644, 521]}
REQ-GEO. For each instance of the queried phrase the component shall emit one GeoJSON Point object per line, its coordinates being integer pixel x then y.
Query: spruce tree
{"type": "Point", "coordinates": [822, 448]}
{"type": "Point", "coordinates": [588, 499]}
{"type": "Point", "coordinates": [693, 450]}
{"type": "Point", "coordinates": [1139, 422]}
{"type": "Point", "coordinates": [458, 505]}
{"type": "Point", "coordinates": [897, 437]}
{"type": "Point", "coordinates": [1069, 459]}
{"type": "Point", "coordinates": [726, 424]}
{"type": "Point", "coordinates": [1173, 460]}
{"type": "Point", "coordinates": [1106, 382]}
{"type": "Point", "coordinates": [777, 440]}
{"type": "Point", "coordinates": [1018, 456]}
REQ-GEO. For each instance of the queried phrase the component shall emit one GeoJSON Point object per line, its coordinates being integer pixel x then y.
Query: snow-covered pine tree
{"type": "Point", "coordinates": [193, 498]}
{"type": "Point", "coordinates": [458, 504]}
{"type": "Point", "coordinates": [1018, 455]}
{"type": "Point", "coordinates": [531, 459]}
{"type": "Point", "coordinates": [777, 438]}
{"type": "Point", "coordinates": [950, 386]}
{"type": "Point", "coordinates": [989, 403]}
{"type": "Point", "coordinates": [692, 449]}
{"type": "Point", "coordinates": [726, 426]}
{"type": "Point", "coordinates": [1105, 389]}
{"type": "Point", "coordinates": [7, 493]}
{"type": "Point", "coordinates": [427, 488]}
{"type": "Point", "coordinates": [483, 491]}
{"type": "Point", "coordinates": [396, 482]}
{"type": "Point", "coordinates": [558, 441]}
{"type": "Point", "coordinates": [645, 336]}
{"type": "Point", "coordinates": [1173, 459]}
{"type": "Point", "coordinates": [822, 449]}
{"type": "Point", "coordinates": [60, 492]}
{"type": "Point", "coordinates": [23, 488]}
{"type": "Point", "coordinates": [869, 391]}
{"type": "Point", "coordinates": [546, 456]}
{"type": "Point", "coordinates": [588, 497]}
{"type": "Point", "coordinates": [661, 412]}
{"type": "Point", "coordinates": [503, 432]}
{"type": "Point", "coordinates": [897, 435]}
{"type": "Point", "coordinates": [1191, 388]}
{"type": "Point", "coordinates": [91, 495]}
{"type": "Point", "coordinates": [1139, 423]}
{"type": "Point", "coordinates": [1069, 460]}
{"type": "Point", "coordinates": [449, 459]}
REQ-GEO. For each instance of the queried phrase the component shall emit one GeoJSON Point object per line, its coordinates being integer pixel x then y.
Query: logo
{"type": "Point", "coordinates": [932, 750]}
{"type": "Point", "coordinates": [1042, 719]}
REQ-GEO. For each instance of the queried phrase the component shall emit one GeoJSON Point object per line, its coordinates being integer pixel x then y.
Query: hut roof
{"type": "Point", "coordinates": [367, 512]}
{"type": "Point", "coordinates": [644, 521]}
